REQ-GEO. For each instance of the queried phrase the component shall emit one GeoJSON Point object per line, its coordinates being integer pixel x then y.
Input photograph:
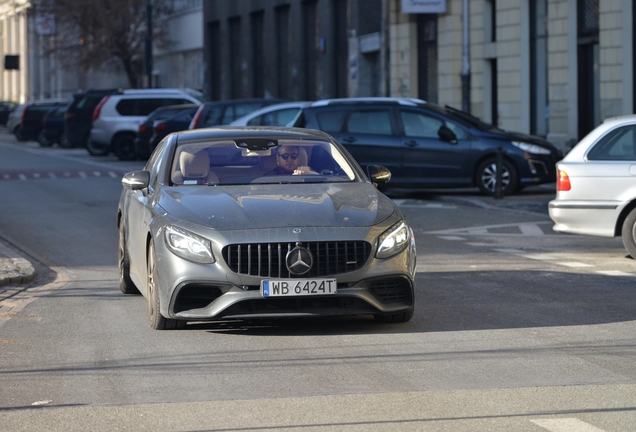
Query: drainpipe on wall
{"type": "Point", "coordinates": [384, 40]}
{"type": "Point", "coordinates": [465, 60]}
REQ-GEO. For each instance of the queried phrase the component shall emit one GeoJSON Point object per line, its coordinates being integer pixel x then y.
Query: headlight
{"type": "Point", "coordinates": [393, 240]}
{"type": "Point", "coordinates": [188, 245]}
{"type": "Point", "coordinates": [531, 148]}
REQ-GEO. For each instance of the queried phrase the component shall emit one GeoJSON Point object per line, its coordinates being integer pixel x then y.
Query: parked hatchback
{"type": "Point", "coordinates": [146, 129]}
{"type": "Point", "coordinates": [53, 128]}
{"type": "Point", "coordinates": [117, 117]}
{"type": "Point", "coordinates": [225, 112]}
{"type": "Point", "coordinates": [596, 184]}
{"type": "Point", "coordinates": [79, 115]}
{"type": "Point", "coordinates": [32, 116]}
{"type": "Point", "coordinates": [430, 146]}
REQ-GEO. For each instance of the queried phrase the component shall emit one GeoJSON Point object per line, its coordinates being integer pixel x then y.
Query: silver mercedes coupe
{"type": "Point", "coordinates": [262, 222]}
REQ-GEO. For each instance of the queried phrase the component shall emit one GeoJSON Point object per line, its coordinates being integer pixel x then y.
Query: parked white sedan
{"type": "Point", "coordinates": [596, 184]}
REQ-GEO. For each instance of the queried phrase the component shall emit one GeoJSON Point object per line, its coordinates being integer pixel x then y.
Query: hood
{"type": "Point", "coordinates": [278, 206]}
{"type": "Point", "coordinates": [518, 136]}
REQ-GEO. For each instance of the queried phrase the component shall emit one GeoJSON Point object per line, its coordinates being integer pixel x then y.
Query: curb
{"type": "Point", "coordinates": [14, 269]}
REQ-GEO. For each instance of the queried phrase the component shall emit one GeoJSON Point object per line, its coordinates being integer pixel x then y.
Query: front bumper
{"type": "Point", "coordinates": [191, 291]}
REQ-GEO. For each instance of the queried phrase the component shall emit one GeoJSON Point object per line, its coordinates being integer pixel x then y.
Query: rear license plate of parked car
{"type": "Point", "coordinates": [298, 287]}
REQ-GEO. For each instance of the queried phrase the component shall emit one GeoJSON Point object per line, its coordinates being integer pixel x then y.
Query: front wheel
{"type": "Point", "coordinates": [628, 233]}
{"type": "Point", "coordinates": [157, 321]}
{"type": "Point", "coordinates": [44, 142]}
{"type": "Point", "coordinates": [125, 282]}
{"type": "Point", "coordinates": [97, 149]}
{"type": "Point", "coordinates": [486, 177]}
{"type": "Point", "coordinates": [124, 147]}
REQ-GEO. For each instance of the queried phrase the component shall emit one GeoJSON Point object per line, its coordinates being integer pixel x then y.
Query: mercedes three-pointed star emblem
{"type": "Point", "coordinates": [299, 260]}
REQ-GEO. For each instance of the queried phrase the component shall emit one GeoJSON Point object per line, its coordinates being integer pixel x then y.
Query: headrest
{"type": "Point", "coordinates": [195, 165]}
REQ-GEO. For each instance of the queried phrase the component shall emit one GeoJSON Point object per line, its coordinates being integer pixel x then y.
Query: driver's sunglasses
{"type": "Point", "coordinates": [286, 156]}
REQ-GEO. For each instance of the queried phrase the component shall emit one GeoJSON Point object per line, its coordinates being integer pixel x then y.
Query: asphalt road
{"type": "Point", "coordinates": [516, 327]}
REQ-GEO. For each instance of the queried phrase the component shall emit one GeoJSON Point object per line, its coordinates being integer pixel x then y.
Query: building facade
{"type": "Point", "coordinates": [294, 49]}
{"type": "Point", "coordinates": [554, 68]}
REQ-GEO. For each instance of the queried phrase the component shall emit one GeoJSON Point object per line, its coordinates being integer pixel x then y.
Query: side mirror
{"type": "Point", "coordinates": [445, 134]}
{"type": "Point", "coordinates": [136, 180]}
{"type": "Point", "coordinates": [378, 174]}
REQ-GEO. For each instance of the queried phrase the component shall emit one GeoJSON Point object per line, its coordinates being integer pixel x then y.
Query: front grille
{"type": "Point", "coordinates": [268, 259]}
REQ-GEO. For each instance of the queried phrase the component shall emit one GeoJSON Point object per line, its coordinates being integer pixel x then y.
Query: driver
{"type": "Point", "coordinates": [287, 160]}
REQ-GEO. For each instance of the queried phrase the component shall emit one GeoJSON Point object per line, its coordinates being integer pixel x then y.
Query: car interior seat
{"type": "Point", "coordinates": [194, 168]}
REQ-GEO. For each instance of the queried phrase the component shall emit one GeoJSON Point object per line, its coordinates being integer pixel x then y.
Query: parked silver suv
{"type": "Point", "coordinates": [117, 117]}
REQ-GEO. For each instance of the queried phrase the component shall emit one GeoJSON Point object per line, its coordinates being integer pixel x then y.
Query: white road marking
{"type": "Point", "coordinates": [82, 174]}
{"type": "Point", "coordinates": [574, 264]}
{"type": "Point", "coordinates": [52, 175]}
{"type": "Point", "coordinates": [510, 251]}
{"type": "Point", "coordinates": [531, 230]}
{"type": "Point", "coordinates": [540, 257]}
{"type": "Point", "coordinates": [113, 175]}
{"type": "Point", "coordinates": [451, 238]}
{"type": "Point", "coordinates": [566, 425]}
{"type": "Point", "coordinates": [97, 174]}
{"type": "Point", "coordinates": [420, 204]}
{"type": "Point", "coordinates": [478, 244]}
{"type": "Point", "coordinates": [22, 177]}
{"type": "Point", "coordinates": [525, 229]}
{"type": "Point", "coordinates": [614, 273]}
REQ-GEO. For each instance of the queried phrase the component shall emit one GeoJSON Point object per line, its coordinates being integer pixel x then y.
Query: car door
{"type": "Point", "coordinates": [610, 169]}
{"type": "Point", "coordinates": [368, 133]}
{"type": "Point", "coordinates": [431, 158]}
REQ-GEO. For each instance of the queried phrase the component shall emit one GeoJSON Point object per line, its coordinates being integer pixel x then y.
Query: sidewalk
{"type": "Point", "coordinates": [14, 269]}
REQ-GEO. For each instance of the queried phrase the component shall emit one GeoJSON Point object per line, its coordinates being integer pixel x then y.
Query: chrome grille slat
{"type": "Point", "coordinates": [330, 258]}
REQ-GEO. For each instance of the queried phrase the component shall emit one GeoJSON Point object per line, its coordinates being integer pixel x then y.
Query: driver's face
{"type": "Point", "coordinates": [287, 158]}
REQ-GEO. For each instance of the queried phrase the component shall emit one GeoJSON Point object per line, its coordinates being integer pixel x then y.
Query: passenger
{"type": "Point", "coordinates": [287, 160]}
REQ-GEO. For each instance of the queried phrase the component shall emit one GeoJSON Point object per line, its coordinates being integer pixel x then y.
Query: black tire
{"type": "Point", "coordinates": [63, 142]}
{"type": "Point", "coordinates": [97, 149]}
{"type": "Point", "coordinates": [124, 147]}
{"type": "Point", "coordinates": [125, 282]}
{"type": "Point", "coordinates": [157, 321]}
{"type": "Point", "coordinates": [44, 142]}
{"type": "Point", "coordinates": [20, 135]}
{"type": "Point", "coordinates": [396, 318]}
{"type": "Point", "coordinates": [628, 233]}
{"type": "Point", "coordinates": [486, 177]}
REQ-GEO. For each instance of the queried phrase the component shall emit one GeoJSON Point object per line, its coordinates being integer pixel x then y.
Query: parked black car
{"type": "Point", "coordinates": [32, 116]}
{"type": "Point", "coordinates": [53, 128]}
{"type": "Point", "coordinates": [176, 123]}
{"type": "Point", "coordinates": [79, 115]}
{"type": "Point", "coordinates": [146, 130]}
{"type": "Point", "coordinates": [5, 109]}
{"type": "Point", "coordinates": [430, 146]}
{"type": "Point", "coordinates": [225, 112]}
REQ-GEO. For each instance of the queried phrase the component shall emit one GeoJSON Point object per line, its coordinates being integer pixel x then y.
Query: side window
{"type": "Point", "coordinates": [274, 118]}
{"type": "Point", "coordinates": [376, 122]}
{"type": "Point", "coordinates": [153, 162]}
{"type": "Point", "coordinates": [420, 125]}
{"type": "Point", "coordinates": [331, 121]}
{"type": "Point", "coordinates": [618, 145]}
{"type": "Point", "coordinates": [146, 106]}
{"type": "Point", "coordinates": [213, 116]}
{"type": "Point", "coordinates": [239, 110]}
{"type": "Point", "coordinates": [127, 107]}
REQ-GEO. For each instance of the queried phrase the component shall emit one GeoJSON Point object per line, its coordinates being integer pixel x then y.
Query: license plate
{"type": "Point", "coordinates": [298, 287]}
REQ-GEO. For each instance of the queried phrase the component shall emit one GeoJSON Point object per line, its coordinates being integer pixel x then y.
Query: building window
{"type": "Point", "coordinates": [539, 114]}
{"type": "Point", "coordinates": [236, 74]}
{"type": "Point", "coordinates": [283, 43]}
{"type": "Point", "coordinates": [310, 50]}
{"type": "Point", "coordinates": [258, 55]}
{"type": "Point", "coordinates": [427, 57]}
{"type": "Point", "coordinates": [589, 82]}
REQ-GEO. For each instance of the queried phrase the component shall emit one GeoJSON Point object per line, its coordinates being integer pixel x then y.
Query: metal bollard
{"type": "Point", "coordinates": [498, 186]}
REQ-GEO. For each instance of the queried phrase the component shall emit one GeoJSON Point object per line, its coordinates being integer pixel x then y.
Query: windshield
{"type": "Point", "coordinates": [259, 161]}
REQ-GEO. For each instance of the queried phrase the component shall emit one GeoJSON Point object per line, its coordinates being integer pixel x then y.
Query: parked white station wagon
{"type": "Point", "coordinates": [596, 184]}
